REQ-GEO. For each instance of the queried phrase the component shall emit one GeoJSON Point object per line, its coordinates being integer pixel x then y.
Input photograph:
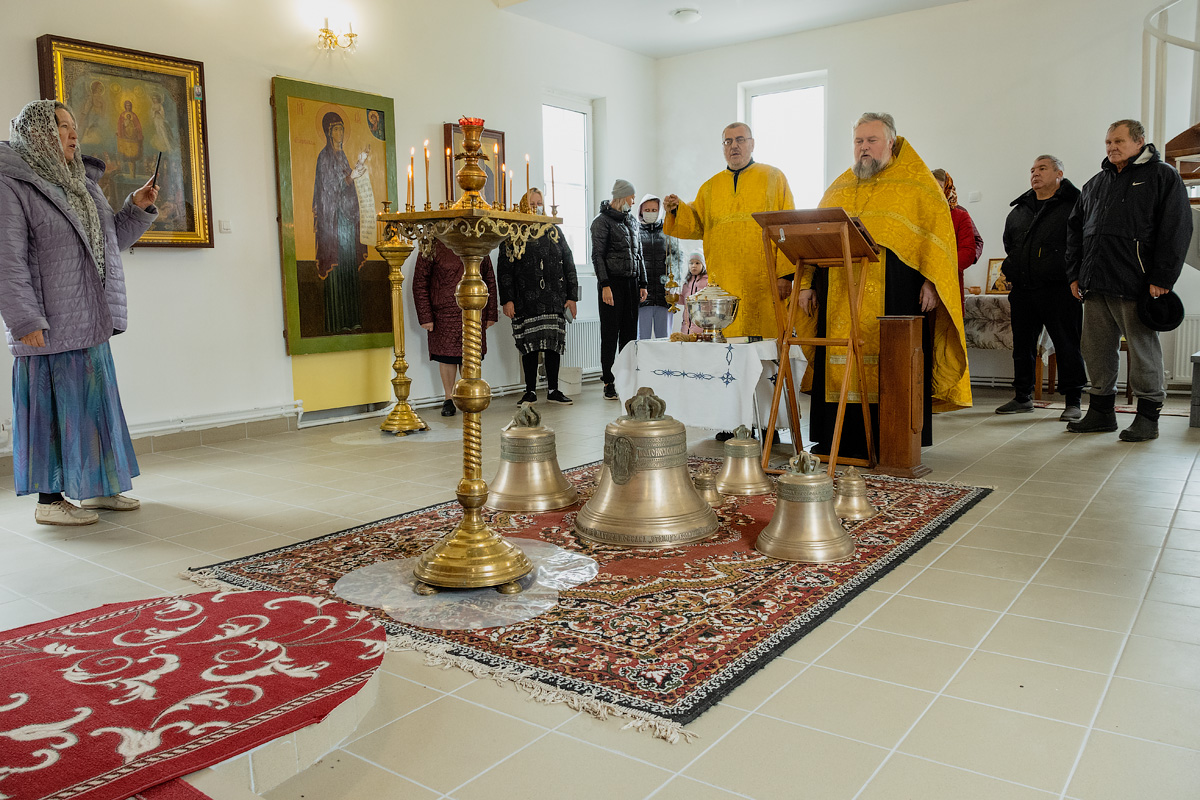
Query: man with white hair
{"type": "Point", "coordinates": [733, 249]}
{"type": "Point", "coordinates": [895, 195]}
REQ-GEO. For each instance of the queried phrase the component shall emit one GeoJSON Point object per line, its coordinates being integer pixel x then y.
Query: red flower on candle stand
{"type": "Point", "coordinates": [470, 121]}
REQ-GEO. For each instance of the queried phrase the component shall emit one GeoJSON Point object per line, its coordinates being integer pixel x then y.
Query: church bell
{"type": "Point", "coordinates": [805, 527]}
{"type": "Point", "coordinates": [644, 495]}
{"type": "Point", "coordinates": [529, 478]}
{"type": "Point", "coordinates": [742, 472]}
{"type": "Point", "coordinates": [706, 485]}
{"type": "Point", "coordinates": [852, 502]}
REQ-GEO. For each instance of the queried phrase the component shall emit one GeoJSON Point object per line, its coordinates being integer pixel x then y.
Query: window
{"type": "Point", "coordinates": [566, 134]}
{"type": "Point", "coordinates": [787, 116]}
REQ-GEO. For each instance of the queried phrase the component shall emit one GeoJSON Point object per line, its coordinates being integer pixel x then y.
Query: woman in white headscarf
{"type": "Point", "coordinates": [62, 297]}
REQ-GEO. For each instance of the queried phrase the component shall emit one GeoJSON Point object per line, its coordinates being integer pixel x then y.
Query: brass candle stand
{"type": "Point", "coordinates": [473, 555]}
{"type": "Point", "coordinates": [402, 419]}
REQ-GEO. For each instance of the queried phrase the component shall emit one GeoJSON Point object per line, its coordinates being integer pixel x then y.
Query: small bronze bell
{"type": "Point", "coordinates": [644, 495]}
{"type": "Point", "coordinates": [706, 485]}
{"type": "Point", "coordinates": [742, 472]}
{"type": "Point", "coordinates": [804, 527]}
{"type": "Point", "coordinates": [852, 501]}
{"type": "Point", "coordinates": [529, 478]}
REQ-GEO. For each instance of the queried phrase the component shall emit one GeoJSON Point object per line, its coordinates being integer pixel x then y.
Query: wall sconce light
{"type": "Point", "coordinates": [328, 40]}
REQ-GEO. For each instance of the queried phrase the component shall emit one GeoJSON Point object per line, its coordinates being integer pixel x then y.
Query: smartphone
{"type": "Point", "coordinates": [154, 180]}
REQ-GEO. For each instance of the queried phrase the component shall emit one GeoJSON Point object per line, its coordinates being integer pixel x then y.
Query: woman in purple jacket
{"type": "Point", "coordinates": [62, 297]}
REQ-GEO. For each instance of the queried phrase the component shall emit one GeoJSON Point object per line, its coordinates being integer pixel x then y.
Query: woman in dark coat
{"type": "Point", "coordinates": [434, 281]}
{"type": "Point", "coordinates": [62, 296]}
{"type": "Point", "coordinates": [536, 291]}
{"type": "Point", "coordinates": [335, 223]}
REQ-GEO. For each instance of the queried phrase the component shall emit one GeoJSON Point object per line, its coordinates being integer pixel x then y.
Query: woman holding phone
{"type": "Point", "coordinates": [62, 297]}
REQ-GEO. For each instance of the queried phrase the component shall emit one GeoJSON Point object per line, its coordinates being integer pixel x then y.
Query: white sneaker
{"type": "Point", "coordinates": [60, 512]}
{"type": "Point", "coordinates": [115, 502]}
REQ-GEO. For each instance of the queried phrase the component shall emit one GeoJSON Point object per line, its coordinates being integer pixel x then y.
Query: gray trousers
{"type": "Point", "coordinates": [1105, 320]}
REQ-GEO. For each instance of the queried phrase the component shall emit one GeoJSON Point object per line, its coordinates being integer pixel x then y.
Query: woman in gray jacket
{"type": "Point", "coordinates": [62, 297]}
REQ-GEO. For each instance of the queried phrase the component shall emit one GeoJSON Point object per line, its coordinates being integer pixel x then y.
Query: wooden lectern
{"type": "Point", "coordinates": [828, 238]}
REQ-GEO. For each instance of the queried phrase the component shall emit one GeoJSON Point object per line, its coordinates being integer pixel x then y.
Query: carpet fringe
{"type": "Point", "coordinates": [437, 655]}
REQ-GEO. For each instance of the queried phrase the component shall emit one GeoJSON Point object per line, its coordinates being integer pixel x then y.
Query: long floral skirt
{"type": "Point", "coordinates": [69, 432]}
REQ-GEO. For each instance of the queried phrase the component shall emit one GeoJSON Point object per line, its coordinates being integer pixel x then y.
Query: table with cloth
{"type": "Point", "coordinates": [714, 385]}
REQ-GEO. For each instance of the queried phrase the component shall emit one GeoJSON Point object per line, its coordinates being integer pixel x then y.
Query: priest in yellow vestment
{"type": "Point", "coordinates": [897, 198]}
{"type": "Point", "coordinates": [733, 241]}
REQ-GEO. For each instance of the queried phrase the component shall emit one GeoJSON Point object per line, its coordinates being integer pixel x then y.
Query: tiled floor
{"type": "Point", "coordinates": [1047, 645]}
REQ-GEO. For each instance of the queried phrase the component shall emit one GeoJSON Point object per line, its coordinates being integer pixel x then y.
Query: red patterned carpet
{"type": "Point", "coordinates": [659, 636]}
{"type": "Point", "coordinates": [117, 701]}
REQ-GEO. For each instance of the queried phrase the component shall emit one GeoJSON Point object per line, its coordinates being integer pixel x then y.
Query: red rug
{"type": "Point", "coordinates": [108, 703]}
{"type": "Point", "coordinates": [659, 636]}
{"type": "Point", "coordinates": [172, 790]}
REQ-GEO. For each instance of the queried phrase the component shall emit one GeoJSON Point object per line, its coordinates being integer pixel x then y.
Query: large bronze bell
{"type": "Point", "coordinates": [805, 527]}
{"type": "Point", "coordinates": [644, 495]}
{"type": "Point", "coordinates": [852, 501]}
{"type": "Point", "coordinates": [742, 472]}
{"type": "Point", "coordinates": [529, 478]}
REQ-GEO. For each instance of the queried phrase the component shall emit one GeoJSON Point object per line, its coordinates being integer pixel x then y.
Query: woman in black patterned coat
{"type": "Point", "coordinates": [536, 292]}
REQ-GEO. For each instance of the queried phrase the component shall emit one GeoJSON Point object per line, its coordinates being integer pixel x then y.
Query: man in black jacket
{"type": "Point", "coordinates": [1035, 243]}
{"type": "Point", "coordinates": [620, 276]}
{"type": "Point", "coordinates": [1126, 237]}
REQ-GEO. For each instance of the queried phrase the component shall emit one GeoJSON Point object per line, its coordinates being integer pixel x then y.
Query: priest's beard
{"type": "Point", "coordinates": [868, 168]}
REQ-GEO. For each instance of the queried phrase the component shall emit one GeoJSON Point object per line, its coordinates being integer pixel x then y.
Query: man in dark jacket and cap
{"type": "Point", "coordinates": [620, 276]}
{"type": "Point", "coordinates": [1035, 244]}
{"type": "Point", "coordinates": [1126, 237]}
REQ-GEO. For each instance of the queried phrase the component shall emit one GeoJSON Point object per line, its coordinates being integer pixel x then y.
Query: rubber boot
{"type": "Point", "coordinates": [1145, 424]}
{"type": "Point", "coordinates": [1100, 417]}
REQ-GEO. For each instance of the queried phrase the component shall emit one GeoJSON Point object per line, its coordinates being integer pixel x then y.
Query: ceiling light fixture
{"type": "Point", "coordinates": [685, 16]}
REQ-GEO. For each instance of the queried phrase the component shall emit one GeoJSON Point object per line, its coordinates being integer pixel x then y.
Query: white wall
{"type": "Point", "coordinates": [206, 326]}
{"type": "Point", "coordinates": [979, 88]}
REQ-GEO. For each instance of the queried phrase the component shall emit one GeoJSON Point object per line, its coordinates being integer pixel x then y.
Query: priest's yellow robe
{"type": "Point", "coordinates": [733, 241]}
{"type": "Point", "coordinates": [905, 211]}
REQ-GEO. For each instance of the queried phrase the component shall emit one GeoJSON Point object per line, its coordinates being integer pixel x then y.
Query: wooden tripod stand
{"type": "Point", "coordinates": [825, 238]}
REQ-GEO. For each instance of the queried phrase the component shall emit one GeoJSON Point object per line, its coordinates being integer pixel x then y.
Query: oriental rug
{"type": "Point", "coordinates": [658, 636]}
{"type": "Point", "coordinates": [114, 702]}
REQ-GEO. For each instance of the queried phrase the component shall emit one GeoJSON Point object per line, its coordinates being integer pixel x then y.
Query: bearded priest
{"type": "Point", "coordinates": [898, 200]}
{"type": "Point", "coordinates": [733, 247]}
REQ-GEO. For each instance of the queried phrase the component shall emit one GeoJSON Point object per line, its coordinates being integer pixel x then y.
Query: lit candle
{"type": "Point", "coordinates": [553, 203]}
{"type": "Point", "coordinates": [408, 194]}
{"type": "Point", "coordinates": [500, 196]}
{"type": "Point", "coordinates": [527, 174]}
{"type": "Point", "coordinates": [498, 188]}
{"type": "Point", "coordinates": [412, 154]}
{"type": "Point", "coordinates": [508, 196]}
{"type": "Point", "coordinates": [428, 199]}
{"type": "Point", "coordinates": [449, 179]}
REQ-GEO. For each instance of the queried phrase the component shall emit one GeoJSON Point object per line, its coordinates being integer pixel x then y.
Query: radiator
{"type": "Point", "coordinates": [1187, 341]}
{"type": "Point", "coordinates": [583, 345]}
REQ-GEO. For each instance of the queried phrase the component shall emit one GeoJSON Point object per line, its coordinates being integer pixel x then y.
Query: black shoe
{"type": "Point", "coordinates": [1145, 424]}
{"type": "Point", "coordinates": [1016, 406]}
{"type": "Point", "coordinates": [528, 397]}
{"type": "Point", "coordinates": [448, 408]}
{"type": "Point", "coordinates": [558, 397]}
{"type": "Point", "coordinates": [1100, 416]}
{"type": "Point", "coordinates": [610, 392]}
{"type": "Point", "coordinates": [1071, 413]}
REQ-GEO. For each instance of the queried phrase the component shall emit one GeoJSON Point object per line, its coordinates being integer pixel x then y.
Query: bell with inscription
{"type": "Point", "coordinates": [805, 527]}
{"type": "Point", "coordinates": [644, 495]}
{"type": "Point", "coordinates": [742, 472]}
{"type": "Point", "coordinates": [529, 478]}
{"type": "Point", "coordinates": [852, 502]}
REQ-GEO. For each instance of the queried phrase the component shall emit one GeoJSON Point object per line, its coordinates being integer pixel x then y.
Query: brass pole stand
{"type": "Point", "coordinates": [473, 555]}
{"type": "Point", "coordinates": [402, 419]}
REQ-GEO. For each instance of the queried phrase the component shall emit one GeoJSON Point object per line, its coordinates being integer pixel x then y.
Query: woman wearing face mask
{"type": "Point", "coordinates": [536, 291]}
{"type": "Point", "coordinates": [662, 256]}
{"type": "Point", "coordinates": [62, 296]}
{"type": "Point", "coordinates": [696, 280]}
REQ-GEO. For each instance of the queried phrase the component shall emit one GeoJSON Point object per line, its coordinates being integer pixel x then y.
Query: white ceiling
{"type": "Point", "coordinates": [646, 26]}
